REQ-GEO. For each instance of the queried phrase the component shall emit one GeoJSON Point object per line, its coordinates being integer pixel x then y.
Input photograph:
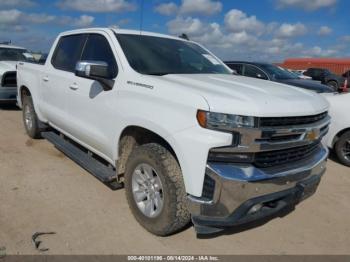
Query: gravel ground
{"type": "Point", "coordinates": [42, 190]}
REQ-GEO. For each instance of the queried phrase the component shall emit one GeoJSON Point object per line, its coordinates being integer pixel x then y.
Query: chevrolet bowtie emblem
{"type": "Point", "coordinates": [312, 135]}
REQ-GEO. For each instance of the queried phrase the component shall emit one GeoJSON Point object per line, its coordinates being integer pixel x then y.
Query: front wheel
{"type": "Point", "coordinates": [155, 190]}
{"type": "Point", "coordinates": [342, 148]}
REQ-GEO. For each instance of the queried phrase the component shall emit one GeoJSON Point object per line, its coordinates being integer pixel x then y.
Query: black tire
{"type": "Point", "coordinates": [342, 147]}
{"type": "Point", "coordinates": [174, 214]}
{"type": "Point", "coordinates": [334, 85]}
{"type": "Point", "coordinates": [33, 130]}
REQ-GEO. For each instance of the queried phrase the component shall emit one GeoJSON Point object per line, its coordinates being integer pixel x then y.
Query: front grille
{"type": "Point", "coordinates": [9, 79]}
{"type": "Point", "coordinates": [290, 121]}
{"type": "Point", "coordinates": [285, 156]}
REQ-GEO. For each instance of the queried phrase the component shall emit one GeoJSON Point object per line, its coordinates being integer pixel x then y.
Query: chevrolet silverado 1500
{"type": "Point", "coordinates": [165, 118]}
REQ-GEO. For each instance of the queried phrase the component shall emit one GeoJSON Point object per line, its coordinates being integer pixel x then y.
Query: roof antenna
{"type": "Point", "coordinates": [141, 16]}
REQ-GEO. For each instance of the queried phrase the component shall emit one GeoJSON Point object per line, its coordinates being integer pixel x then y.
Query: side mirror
{"type": "Point", "coordinates": [95, 70]}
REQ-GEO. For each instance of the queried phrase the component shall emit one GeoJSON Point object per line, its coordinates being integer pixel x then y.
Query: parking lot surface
{"type": "Point", "coordinates": [42, 190]}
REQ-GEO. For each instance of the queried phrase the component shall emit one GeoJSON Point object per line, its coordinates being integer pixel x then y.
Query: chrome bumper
{"type": "Point", "coordinates": [239, 187]}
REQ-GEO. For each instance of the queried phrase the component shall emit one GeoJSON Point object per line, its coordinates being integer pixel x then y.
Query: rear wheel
{"type": "Point", "coordinates": [30, 119]}
{"type": "Point", "coordinates": [342, 148]}
{"type": "Point", "coordinates": [155, 190]}
{"type": "Point", "coordinates": [333, 85]}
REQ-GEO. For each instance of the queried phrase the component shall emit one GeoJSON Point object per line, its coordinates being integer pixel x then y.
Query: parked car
{"type": "Point", "coordinates": [326, 77]}
{"type": "Point", "coordinates": [165, 118]}
{"type": "Point", "coordinates": [300, 74]}
{"type": "Point", "coordinates": [338, 137]}
{"type": "Point", "coordinates": [9, 56]}
{"type": "Point", "coordinates": [274, 73]}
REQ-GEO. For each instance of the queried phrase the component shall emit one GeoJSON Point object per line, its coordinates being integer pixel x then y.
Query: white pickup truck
{"type": "Point", "coordinates": [166, 119]}
{"type": "Point", "coordinates": [9, 56]}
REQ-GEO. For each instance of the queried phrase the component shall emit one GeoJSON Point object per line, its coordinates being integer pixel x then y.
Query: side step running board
{"type": "Point", "coordinates": [104, 173]}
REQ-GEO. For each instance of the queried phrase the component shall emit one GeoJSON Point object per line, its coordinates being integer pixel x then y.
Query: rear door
{"type": "Point", "coordinates": [91, 108]}
{"type": "Point", "coordinates": [59, 77]}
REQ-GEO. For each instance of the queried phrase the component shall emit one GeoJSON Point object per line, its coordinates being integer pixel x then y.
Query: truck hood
{"type": "Point", "coordinates": [7, 66]}
{"type": "Point", "coordinates": [248, 96]}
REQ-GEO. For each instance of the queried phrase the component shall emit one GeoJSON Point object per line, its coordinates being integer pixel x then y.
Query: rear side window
{"type": "Point", "coordinates": [97, 48]}
{"type": "Point", "coordinates": [236, 67]}
{"type": "Point", "coordinates": [68, 52]}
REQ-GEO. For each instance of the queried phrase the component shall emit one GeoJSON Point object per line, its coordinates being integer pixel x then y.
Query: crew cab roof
{"type": "Point", "coordinates": [121, 31]}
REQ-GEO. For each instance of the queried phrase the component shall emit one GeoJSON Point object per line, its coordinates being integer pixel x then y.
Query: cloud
{"type": "Point", "coordinates": [190, 7]}
{"type": "Point", "coordinates": [291, 30]}
{"type": "Point", "coordinates": [166, 9]}
{"type": "Point", "coordinates": [18, 19]}
{"type": "Point", "coordinates": [202, 7]}
{"type": "Point", "coordinates": [345, 38]}
{"type": "Point", "coordinates": [243, 37]}
{"type": "Point", "coordinates": [309, 5]}
{"type": "Point", "coordinates": [190, 26]}
{"type": "Point", "coordinates": [237, 21]}
{"type": "Point", "coordinates": [16, 3]}
{"type": "Point", "coordinates": [318, 51]}
{"type": "Point", "coordinates": [97, 6]}
{"type": "Point", "coordinates": [36, 18]}
{"type": "Point", "coordinates": [324, 30]}
{"type": "Point", "coordinates": [120, 23]}
{"type": "Point", "coordinates": [83, 21]}
{"type": "Point", "coordinates": [9, 16]}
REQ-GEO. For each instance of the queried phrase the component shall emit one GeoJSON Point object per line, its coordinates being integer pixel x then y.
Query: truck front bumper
{"type": "Point", "coordinates": [8, 94]}
{"type": "Point", "coordinates": [245, 194]}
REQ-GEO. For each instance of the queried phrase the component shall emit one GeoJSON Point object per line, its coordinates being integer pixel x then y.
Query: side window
{"type": "Point", "coordinates": [253, 71]}
{"type": "Point", "coordinates": [68, 51]}
{"type": "Point", "coordinates": [236, 67]}
{"type": "Point", "coordinates": [97, 48]}
{"type": "Point", "coordinates": [308, 72]}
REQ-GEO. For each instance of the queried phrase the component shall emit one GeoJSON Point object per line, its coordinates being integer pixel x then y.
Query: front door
{"type": "Point", "coordinates": [89, 106]}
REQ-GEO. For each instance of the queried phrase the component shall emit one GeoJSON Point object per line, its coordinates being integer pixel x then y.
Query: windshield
{"type": "Point", "coordinates": [278, 73]}
{"type": "Point", "coordinates": [12, 54]}
{"type": "Point", "coordinates": [160, 56]}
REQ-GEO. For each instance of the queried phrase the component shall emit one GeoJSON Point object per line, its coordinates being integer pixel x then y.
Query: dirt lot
{"type": "Point", "coordinates": [42, 190]}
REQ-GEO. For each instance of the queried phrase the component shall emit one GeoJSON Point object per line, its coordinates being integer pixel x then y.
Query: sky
{"type": "Point", "coordinates": [259, 30]}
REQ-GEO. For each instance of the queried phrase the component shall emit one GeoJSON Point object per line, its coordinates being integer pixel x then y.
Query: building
{"type": "Point", "coordinates": [336, 65]}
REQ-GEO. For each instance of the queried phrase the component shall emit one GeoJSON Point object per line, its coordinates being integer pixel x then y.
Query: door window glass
{"type": "Point", "coordinates": [68, 52]}
{"type": "Point", "coordinates": [97, 48]}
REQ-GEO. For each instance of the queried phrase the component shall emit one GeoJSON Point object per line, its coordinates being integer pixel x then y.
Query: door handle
{"type": "Point", "coordinates": [73, 86]}
{"type": "Point", "coordinates": [45, 79]}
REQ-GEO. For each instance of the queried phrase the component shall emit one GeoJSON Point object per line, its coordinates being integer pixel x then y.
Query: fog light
{"type": "Point", "coordinates": [255, 208]}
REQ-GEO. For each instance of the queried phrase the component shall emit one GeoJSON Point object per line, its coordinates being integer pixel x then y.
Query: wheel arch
{"type": "Point", "coordinates": [338, 135]}
{"type": "Point", "coordinates": [25, 90]}
{"type": "Point", "coordinates": [135, 135]}
{"type": "Point", "coordinates": [22, 91]}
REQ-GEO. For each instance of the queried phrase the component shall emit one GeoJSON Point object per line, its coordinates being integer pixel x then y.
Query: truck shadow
{"type": "Point", "coordinates": [245, 227]}
{"type": "Point", "coordinates": [9, 107]}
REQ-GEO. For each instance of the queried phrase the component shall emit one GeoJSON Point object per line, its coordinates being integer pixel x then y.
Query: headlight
{"type": "Point", "coordinates": [224, 122]}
